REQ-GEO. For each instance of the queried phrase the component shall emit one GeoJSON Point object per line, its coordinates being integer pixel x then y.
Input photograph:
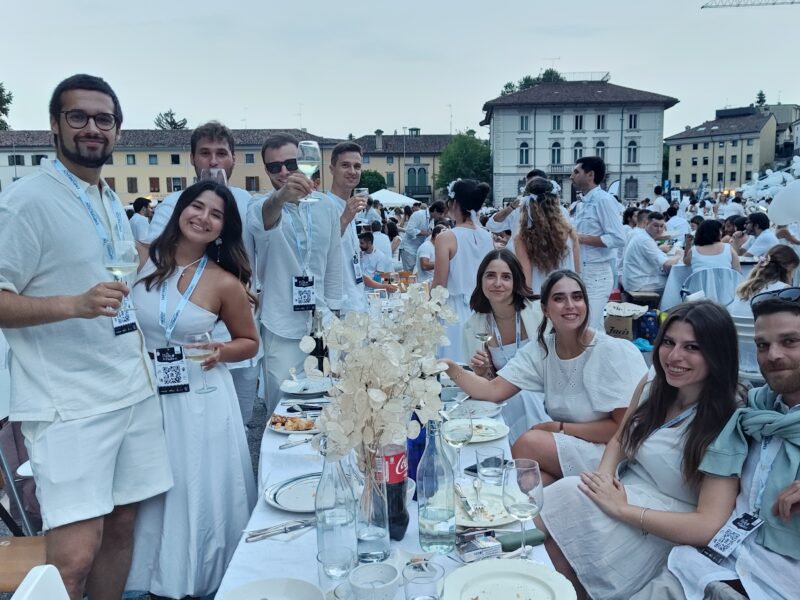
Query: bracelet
{"type": "Point", "coordinates": [641, 522]}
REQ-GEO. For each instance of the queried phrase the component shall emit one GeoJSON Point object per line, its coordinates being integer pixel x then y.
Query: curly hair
{"type": "Point", "coordinates": [776, 265]}
{"type": "Point", "coordinates": [543, 229]}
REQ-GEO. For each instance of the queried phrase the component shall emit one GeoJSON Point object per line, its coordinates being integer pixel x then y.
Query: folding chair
{"type": "Point", "coordinates": [42, 583]}
{"type": "Point", "coordinates": [748, 367]}
{"type": "Point", "coordinates": [718, 284]}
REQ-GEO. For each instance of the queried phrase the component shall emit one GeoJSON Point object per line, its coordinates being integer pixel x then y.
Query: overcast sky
{"type": "Point", "coordinates": [354, 66]}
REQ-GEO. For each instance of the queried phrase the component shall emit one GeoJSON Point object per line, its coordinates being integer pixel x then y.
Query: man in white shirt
{"type": "Point", "coordinates": [373, 260]}
{"type": "Point", "coordinates": [299, 259]}
{"type": "Point", "coordinates": [507, 218]}
{"type": "Point", "coordinates": [381, 240]}
{"type": "Point", "coordinates": [370, 214]}
{"type": "Point", "coordinates": [80, 380]}
{"type": "Point", "coordinates": [645, 264]}
{"type": "Point", "coordinates": [600, 231]}
{"type": "Point", "coordinates": [417, 231]}
{"type": "Point", "coordinates": [140, 221]}
{"type": "Point", "coordinates": [660, 204]}
{"type": "Point", "coordinates": [761, 236]}
{"type": "Point", "coordinates": [212, 146]}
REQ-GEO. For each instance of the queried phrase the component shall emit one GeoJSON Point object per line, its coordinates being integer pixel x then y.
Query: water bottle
{"type": "Point", "coordinates": [334, 506]}
{"type": "Point", "coordinates": [436, 495]}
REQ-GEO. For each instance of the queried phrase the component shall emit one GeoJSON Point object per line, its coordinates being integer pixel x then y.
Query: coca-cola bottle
{"type": "Point", "coordinates": [394, 456]}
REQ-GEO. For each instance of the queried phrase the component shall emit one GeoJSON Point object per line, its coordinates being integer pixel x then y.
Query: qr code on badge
{"type": "Point", "coordinates": [725, 540]}
{"type": "Point", "coordinates": [171, 374]}
{"type": "Point", "coordinates": [303, 296]}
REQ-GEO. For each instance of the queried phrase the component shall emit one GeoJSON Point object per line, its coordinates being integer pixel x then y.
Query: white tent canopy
{"type": "Point", "coordinates": [391, 199]}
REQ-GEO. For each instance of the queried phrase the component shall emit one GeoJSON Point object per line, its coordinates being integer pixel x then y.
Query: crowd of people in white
{"type": "Point", "coordinates": [140, 458]}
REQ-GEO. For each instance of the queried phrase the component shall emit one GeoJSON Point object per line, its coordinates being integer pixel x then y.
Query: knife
{"type": "Point", "coordinates": [294, 443]}
{"type": "Point", "coordinates": [465, 502]}
{"type": "Point", "coordinates": [257, 535]}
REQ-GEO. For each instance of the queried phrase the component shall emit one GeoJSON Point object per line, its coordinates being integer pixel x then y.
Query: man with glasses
{"type": "Point", "coordinates": [298, 257]}
{"type": "Point", "coordinates": [761, 236]}
{"type": "Point", "coordinates": [81, 385]}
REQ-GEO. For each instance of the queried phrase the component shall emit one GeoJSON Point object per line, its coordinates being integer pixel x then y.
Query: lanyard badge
{"type": "Point", "coordinates": [172, 376]}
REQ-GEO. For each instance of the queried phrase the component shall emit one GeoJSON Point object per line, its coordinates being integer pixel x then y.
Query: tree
{"type": "Point", "coordinates": [761, 98]}
{"type": "Point", "coordinates": [372, 180]}
{"type": "Point", "coordinates": [167, 120]}
{"type": "Point", "coordinates": [528, 81]}
{"type": "Point", "coordinates": [5, 106]}
{"type": "Point", "coordinates": [466, 157]}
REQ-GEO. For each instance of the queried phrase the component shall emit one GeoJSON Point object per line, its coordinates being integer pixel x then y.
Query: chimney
{"type": "Point", "coordinates": [379, 139]}
{"type": "Point", "coordinates": [413, 131]}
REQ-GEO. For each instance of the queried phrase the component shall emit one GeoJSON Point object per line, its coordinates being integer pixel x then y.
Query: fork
{"type": "Point", "coordinates": [480, 507]}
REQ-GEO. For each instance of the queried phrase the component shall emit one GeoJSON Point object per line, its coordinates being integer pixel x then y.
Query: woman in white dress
{"type": "Point", "coordinates": [195, 273]}
{"type": "Point", "coordinates": [706, 250]}
{"type": "Point", "coordinates": [584, 374]}
{"type": "Point", "coordinates": [546, 241]}
{"type": "Point", "coordinates": [611, 529]}
{"type": "Point", "coordinates": [504, 307]}
{"type": "Point", "coordinates": [459, 251]}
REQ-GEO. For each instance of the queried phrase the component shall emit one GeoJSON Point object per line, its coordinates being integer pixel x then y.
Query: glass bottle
{"type": "Point", "coordinates": [320, 351]}
{"type": "Point", "coordinates": [436, 495]}
{"type": "Point", "coordinates": [334, 506]}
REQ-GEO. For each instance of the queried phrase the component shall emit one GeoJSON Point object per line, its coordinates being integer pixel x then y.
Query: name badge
{"type": "Point", "coordinates": [359, 275]}
{"type": "Point", "coordinates": [124, 321]}
{"type": "Point", "coordinates": [730, 537]}
{"type": "Point", "coordinates": [172, 376]}
{"type": "Point", "coordinates": [303, 296]}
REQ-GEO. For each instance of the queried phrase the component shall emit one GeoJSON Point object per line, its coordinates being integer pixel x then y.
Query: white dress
{"type": "Point", "coordinates": [185, 538]}
{"type": "Point", "coordinates": [538, 276]}
{"type": "Point", "coordinates": [471, 246]}
{"type": "Point", "coordinates": [614, 560]}
{"type": "Point", "coordinates": [722, 260]}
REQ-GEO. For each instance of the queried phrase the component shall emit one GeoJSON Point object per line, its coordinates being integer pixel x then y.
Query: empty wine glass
{"type": "Point", "coordinates": [217, 175]}
{"type": "Point", "coordinates": [197, 347]}
{"type": "Point", "coordinates": [457, 432]}
{"type": "Point", "coordinates": [309, 161]}
{"type": "Point", "coordinates": [523, 492]}
{"type": "Point", "coordinates": [124, 262]}
{"type": "Point", "coordinates": [484, 331]}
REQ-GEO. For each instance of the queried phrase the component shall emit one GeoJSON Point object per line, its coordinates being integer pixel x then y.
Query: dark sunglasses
{"type": "Point", "coordinates": [789, 294]}
{"type": "Point", "coordinates": [275, 167]}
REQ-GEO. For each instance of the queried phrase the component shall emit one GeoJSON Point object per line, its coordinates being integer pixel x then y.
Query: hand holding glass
{"type": "Point", "coordinates": [197, 347]}
{"type": "Point", "coordinates": [309, 161]}
{"type": "Point", "coordinates": [523, 492]}
{"type": "Point", "coordinates": [124, 262]}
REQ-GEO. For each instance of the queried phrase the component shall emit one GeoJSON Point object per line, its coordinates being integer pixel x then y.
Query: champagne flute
{"type": "Point", "coordinates": [197, 348]}
{"type": "Point", "coordinates": [309, 161]}
{"type": "Point", "coordinates": [216, 175]}
{"type": "Point", "coordinates": [124, 262]}
{"type": "Point", "coordinates": [523, 492]}
{"type": "Point", "coordinates": [457, 432]}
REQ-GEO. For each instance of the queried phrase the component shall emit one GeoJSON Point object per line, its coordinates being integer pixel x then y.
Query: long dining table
{"type": "Point", "coordinates": [294, 555]}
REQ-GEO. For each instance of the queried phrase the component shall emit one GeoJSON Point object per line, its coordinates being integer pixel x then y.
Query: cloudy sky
{"type": "Point", "coordinates": [357, 65]}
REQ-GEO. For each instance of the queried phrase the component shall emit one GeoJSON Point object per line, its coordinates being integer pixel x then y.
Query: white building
{"type": "Point", "coordinates": [550, 125]}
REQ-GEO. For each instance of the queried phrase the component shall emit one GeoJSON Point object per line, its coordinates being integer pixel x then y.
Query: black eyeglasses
{"type": "Point", "coordinates": [275, 167]}
{"type": "Point", "coordinates": [789, 294]}
{"type": "Point", "coordinates": [77, 119]}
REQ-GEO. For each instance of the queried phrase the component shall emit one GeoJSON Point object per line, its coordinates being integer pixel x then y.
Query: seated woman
{"type": "Point", "coordinates": [598, 523]}
{"type": "Point", "coordinates": [504, 307]}
{"type": "Point", "coordinates": [707, 251]}
{"type": "Point", "coordinates": [584, 374]}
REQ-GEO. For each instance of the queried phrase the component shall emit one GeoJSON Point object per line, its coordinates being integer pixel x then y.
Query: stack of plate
{"type": "Point", "coordinates": [507, 579]}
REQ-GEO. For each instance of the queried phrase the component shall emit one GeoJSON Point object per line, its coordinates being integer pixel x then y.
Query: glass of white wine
{"type": "Point", "coordinates": [484, 333]}
{"type": "Point", "coordinates": [197, 347]}
{"type": "Point", "coordinates": [523, 492]}
{"type": "Point", "coordinates": [124, 262]}
{"type": "Point", "coordinates": [457, 432]}
{"type": "Point", "coordinates": [309, 161]}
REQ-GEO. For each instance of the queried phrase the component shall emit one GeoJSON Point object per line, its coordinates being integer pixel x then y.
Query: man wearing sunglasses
{"type": "Point", "coordinates": [298, 260]}
{"type": "Point", "coordinates": [81, 385]}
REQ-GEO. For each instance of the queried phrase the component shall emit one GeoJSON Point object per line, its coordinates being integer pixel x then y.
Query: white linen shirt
{"type": "Point", "coordinates": [417, 222]}
{"type": "Point", "coordinates": [759, 245]}
{"type": "Point", "coordinates": [77, 367]}
{"type": "Point", "coordinates": [354, 297]}
{"type": "Point", "coordinates": [598, 214]}
{"type": "Point", "coordinates": [642, 263]}
{"type": "Point", "coordinates": [661, 204]}
{"type": "Point", "coordinates": [139, 226]}
{"type": "Point", "coordinates": [375, 262]}
{"type": "Point", "coordinates": [382, 242]}
{"type": "Point", "coordinates": [278, 263]}
{"type": "Point", "coordinates": [426, 250]}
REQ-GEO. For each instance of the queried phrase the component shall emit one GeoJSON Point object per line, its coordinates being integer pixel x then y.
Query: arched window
{"type": "Point", "coordinates": [411, 180]}
{"type": "Point", "coordinates": [422, 176]}
{"type": "Point", "coordinates": [633, 152]}
{"type": "Point", "coordinates": [577, 151]}
{"type": "Point", "coordinates": [524, 154]}
{"type": "Point", "coordinates": [600, 150]}
{"type": "Point", "coordinates": [555, 154]}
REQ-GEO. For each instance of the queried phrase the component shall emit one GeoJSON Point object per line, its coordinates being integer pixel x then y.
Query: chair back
{"type": "Point", "coordinates": [5, 379]}
{"type": "Point", "coordinates": [748, 365]}
{"type": "Point", "coordinates": [717, 284]}
{"type": "Point", "coordinates": [41, 583]}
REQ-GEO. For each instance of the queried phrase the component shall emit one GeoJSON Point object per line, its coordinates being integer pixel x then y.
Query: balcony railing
{"type": "Point", "coordinates": [559, 169]}
{"type": "Point", "coordinates": [412, 191]}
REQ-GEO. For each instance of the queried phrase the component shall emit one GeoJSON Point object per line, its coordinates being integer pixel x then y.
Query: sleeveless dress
{"type": "Point", "coordinates": [538, 276]}
{"type": "Point", "coordinates": [612, 559]}
{"type": "Point", "coordinates": [471, 246]}
{"type": "Point", "coordinates": [722, 260]}
{"type": "Point", "coordinates": [185, 538]}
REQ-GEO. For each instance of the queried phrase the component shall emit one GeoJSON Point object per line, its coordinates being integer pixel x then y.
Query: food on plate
{"type": "Point", "coordinates": [291, 423]}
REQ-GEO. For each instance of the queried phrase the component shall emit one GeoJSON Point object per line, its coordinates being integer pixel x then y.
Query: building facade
{"type": "Point", "coordinates": [550, 125]}
{"type": "Point", "coordinates": [725, 152]}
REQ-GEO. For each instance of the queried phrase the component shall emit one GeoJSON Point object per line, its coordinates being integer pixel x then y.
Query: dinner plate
{"type": "Point", "coordinates": [283, 588]}
{"type": "Point", "coordinates": [290, 431]}
{"type": "Point", "coordinates": [487, 430]}
{"type": "Point", "coordinates": [306, 387]}
{"type": "Point", "coordinates": [294, 495]}
{"type": "Point", "coordinates": [495, 514]}
{"type": "Point", "coordinates": [504, 579]}
{"type": "Point", "coordinates": [479, 409]}
{"type": "Point", "coordinates": [748, 260]}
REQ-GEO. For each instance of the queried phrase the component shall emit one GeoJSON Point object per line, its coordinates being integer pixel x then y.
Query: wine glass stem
{"type": "Point", "coordinates": [458, 462]}
{"type": "Point", "coordinates": [522, 539]}
{"type": "Point", "coordinates": [203, 375]}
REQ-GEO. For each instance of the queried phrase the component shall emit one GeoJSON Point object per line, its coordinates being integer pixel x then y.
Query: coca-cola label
{"type": "Point", "coordinates": [396, 467]}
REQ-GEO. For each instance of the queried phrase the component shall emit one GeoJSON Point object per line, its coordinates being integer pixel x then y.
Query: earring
{"type": "Point", "coordinates": [218, 243]}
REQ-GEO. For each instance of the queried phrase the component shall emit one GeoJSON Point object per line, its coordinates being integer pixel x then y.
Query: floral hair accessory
{"type": "Point", "coordinates": [763, 261]}
{"type": "Point", "coordinates": [450, 193]}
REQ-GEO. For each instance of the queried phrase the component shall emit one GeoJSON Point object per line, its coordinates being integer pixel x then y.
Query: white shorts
{"type": "Point", "coordinates": [83, 468]}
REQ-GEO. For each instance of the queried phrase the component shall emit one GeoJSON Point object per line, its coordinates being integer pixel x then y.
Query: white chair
{"type": "Point", "coordinates": [718, 284]}
{"type": "Point", "coordinates": [748, 366]}
{"type": "Point", "coordinates": [41, 583]}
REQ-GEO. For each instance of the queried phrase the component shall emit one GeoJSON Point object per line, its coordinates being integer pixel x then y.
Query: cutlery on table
{"type": "Point", "coordinates": [465, 502]}
{"type": "Point", "coordinates": [262, 534]}
{"type": "Point", "coordinates": [294, 443]}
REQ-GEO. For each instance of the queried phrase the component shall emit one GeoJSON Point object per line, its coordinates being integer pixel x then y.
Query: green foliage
{"type": "Point", "coordinates": [5, 106]}
{"type": "Point", "coordinates": [528, 81]}
{"type": "Point", "coordinates": [167, 120]}
{"type": "Point", "coordinates": [761, 98]}
{"type": "Point", "coordinates": [372, 180]}
{"type": "Point", "coordinates": [466, 157]}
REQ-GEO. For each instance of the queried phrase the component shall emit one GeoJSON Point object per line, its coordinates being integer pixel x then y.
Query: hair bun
{"type": "Point", "coordinates": [539, 185]}
{"type": "Point", "coordinates": [471, 194]}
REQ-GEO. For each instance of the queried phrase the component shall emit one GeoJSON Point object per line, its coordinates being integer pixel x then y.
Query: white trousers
{"type": "Point", "coordinates": [599, 281]}
{"type": "Point", "coordinates": [280, 355]}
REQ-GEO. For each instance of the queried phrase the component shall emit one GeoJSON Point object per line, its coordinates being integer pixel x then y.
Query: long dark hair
{"type": "Point", "coordinates": [520, 291]}
{"type": "Point", "coordinates": [230, 254]}
{"type": "Point", "coordinates": [715, 334]}
{"type": "Point", "coordinates": [547, 289]}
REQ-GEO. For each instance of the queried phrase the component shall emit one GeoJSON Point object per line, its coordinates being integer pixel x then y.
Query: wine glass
{"type": "Point", "coordinates": [523, 492]}
{"type": "Point", "coordinates": [309, 161]}
{"type": "Point", "coordinates": [457, 432]}
{"type": "Point", "coordinates": [216, 175]}
{"type": "Point", "coordinates": [484, 333]}
{"type": "Point", "coordinates": [197, 347]}
{"type": "Point", "coordinates": [124, 262]}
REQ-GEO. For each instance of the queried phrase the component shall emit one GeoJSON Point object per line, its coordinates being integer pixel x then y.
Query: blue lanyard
{"type": "Point", "coordinates": [302, 259]}
{"type": "Point", "coordinates": [496, 332]}
{"type": "Point", "coordinates": [680, 418]}
{"type": "Point", "coordinates": [162, 313]}
{"type": "Point", "coordinates": [765, 461]}
{"type": "Point", "coordinates": [108, 244]}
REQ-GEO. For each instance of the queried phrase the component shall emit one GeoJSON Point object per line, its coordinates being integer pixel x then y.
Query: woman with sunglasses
{"type": "Point", "coordinates": [611, 529]}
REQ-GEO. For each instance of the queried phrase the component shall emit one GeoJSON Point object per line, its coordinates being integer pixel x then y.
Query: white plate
{"type": "Point", "coordinates": [479, 409]}
{"type": "Point", "coordinates": [291, 431]}
{"type": "Point", "coordinates": [294, 495]}
{"type": "Point", "coordinates": [306, 387]}
{"type": "Point", "coordinates": [495, 515]}
{"type": "Point", "coordinates": [487, 430]}
{"type": "Point", "coordinates": [505, 579]}
{"type": "Point", "coordinates": [276, 589]}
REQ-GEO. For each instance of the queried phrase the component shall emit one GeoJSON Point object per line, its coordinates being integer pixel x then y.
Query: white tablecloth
{"type": "Point", "coordinates": [297, 558]}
